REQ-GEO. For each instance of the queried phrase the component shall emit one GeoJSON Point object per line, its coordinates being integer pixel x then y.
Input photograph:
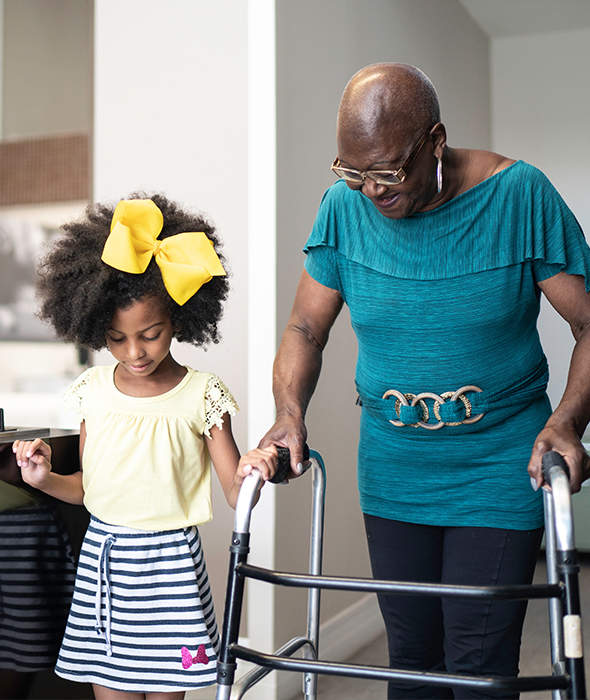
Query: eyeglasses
{"type": "Point", "coordinates": [381, 177]}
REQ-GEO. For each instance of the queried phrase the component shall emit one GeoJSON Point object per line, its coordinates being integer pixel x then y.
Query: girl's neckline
{"type": "Point", "coordinates": [164, 394]}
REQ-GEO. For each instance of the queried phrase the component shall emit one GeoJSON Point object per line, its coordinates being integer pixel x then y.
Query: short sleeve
{"type": "Point", "coordinates": [74, 395]}
{"type": "Point", "coordinates": [218, 400]}
{"type": "Point", "coordinates": [558, 240]}
{"type": "Point", "coordinates": [321, 264]}
{"type": "Point", "coordinates": [565, 250]}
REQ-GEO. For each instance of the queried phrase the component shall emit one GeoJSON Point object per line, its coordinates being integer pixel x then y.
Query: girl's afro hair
{"type": "Point", "coordinates": [79, 293]}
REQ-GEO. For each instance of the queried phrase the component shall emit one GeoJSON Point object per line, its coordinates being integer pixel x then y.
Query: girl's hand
{"type": "Point", "coordinates": [262, 458]}
{"type": "Point", "coordinates": [33, 459]}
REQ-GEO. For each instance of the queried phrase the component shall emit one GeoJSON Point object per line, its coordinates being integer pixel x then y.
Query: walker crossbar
{"type": "Point", "coordinates": [562, 591]}
{"type": "Point", "coordinates": [499, 683]}
{"type": "Point", "coordinates": [369, 585]}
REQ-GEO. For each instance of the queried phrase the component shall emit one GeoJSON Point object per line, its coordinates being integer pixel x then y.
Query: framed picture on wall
{"type": "Point", "coordinates": [21, 246]}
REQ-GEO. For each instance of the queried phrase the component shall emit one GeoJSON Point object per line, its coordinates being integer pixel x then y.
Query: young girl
{"type": "Point", "coordinates": [131, 279]}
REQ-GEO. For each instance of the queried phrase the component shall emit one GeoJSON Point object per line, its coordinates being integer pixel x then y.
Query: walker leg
{"type": "Point", "coordinates": [234, 596]}
{"type": "Point", "coordinates": [572, 623]}
{"type": "Point", "coordinates": [556, 474]}
{"type": "Point", "coordinates": [310, 680]}
{"type": "Point", "coordinates": [555, 606]}
{"type": "Point", "coordinates": [226, 665]}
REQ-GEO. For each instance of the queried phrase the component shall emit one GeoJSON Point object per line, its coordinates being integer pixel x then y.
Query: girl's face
{"type": "Point", "coordinates": [139, 338]}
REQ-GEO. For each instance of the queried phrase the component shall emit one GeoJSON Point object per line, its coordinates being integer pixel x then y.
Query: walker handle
{"type": "Point", "coordinates": [284, 463]}
{"type": "Point", "coordinates": [550, 460]}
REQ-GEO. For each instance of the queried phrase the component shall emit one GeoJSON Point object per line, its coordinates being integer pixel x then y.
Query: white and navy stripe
{"type": "Point", "coordinates": [155, 599]}
{"type": "Point", "coordinates": [37, 572]}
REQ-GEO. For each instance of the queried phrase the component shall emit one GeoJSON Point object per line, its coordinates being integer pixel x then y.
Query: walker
{"type": "Point", "coordinates": [562, 591]}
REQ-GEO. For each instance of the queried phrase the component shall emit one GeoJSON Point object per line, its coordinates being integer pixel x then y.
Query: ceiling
{"type": "Point", "coordinates": [514, 17]}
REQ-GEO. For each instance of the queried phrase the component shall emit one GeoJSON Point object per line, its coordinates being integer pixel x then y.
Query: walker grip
{"type": "Point", "coordinates": [284, 463]}
{"type": "Point", "coordinates": [553, 459]}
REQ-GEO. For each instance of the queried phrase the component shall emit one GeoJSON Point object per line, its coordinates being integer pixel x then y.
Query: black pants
{"type": "Point", "coordinates": [456, 635]}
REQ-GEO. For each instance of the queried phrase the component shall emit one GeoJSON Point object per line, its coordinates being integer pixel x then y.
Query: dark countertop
{"type": "Point", "coordinates": [11, 433]}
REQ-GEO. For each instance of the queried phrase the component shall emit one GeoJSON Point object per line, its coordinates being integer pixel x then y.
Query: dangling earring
{"type": "Point", "coordinates": [439, 183]}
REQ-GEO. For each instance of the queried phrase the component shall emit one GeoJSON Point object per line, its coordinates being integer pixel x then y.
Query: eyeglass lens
{"type": "Point", "coordinates": [381, 177]}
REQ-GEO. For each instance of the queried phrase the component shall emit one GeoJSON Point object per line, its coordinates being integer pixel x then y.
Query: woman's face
{"type": "Point", "coordinates": [387, 150]}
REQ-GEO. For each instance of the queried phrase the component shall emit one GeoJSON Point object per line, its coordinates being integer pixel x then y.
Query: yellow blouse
{"type": "Point", "coordinates": [145, 463]}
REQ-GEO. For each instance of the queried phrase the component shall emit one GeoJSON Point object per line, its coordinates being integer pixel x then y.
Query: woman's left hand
{"type": "Point", "coordinates": [567, 294]}
{"type": "Point", "coordinates": [565, 440]}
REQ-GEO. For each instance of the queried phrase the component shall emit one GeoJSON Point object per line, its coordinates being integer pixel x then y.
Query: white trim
{"type": "Point", "coordinates": [262, 190]}
{"type": "Point", "coordinates": [261, 305]}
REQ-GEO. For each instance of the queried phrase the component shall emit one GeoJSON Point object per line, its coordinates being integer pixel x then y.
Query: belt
{"type": "Point", "coordinates": [463, 406]}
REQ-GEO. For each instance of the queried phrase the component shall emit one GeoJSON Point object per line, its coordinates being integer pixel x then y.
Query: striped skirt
{"type": "Point", "coordinates": [142, 616]}
{"type": "Point", "coordinates": [37, 572]}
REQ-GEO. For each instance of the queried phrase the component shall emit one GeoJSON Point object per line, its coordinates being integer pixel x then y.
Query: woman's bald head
{"type": "Point", "coordinates": [392, 96]}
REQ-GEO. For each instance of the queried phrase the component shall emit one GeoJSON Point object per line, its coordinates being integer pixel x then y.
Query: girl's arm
{"type": "Point", "coordinates": [33, 457]}
{"type": "Point", "coordinates": [230, 467]}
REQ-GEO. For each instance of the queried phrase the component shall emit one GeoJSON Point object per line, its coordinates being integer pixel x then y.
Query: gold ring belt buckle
{"type": "Point", "coordinates": [415, 399]}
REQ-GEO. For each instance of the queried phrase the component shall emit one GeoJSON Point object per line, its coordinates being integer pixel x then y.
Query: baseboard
{"type": "Point", "coordinates": [340, 638]}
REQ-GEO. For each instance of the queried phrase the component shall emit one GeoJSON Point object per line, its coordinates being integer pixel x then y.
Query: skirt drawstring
{"type": "Point", "coordinates": [104, 573]}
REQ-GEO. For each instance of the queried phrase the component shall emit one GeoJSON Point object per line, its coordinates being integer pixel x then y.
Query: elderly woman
{"type": "Point", "coordinates": [441, 255]}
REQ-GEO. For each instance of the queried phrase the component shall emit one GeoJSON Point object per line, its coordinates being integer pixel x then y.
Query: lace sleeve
{"type": "Point", "coordinates": [218, 400]}
{"type": "Point", "coordinates": [73, 396]}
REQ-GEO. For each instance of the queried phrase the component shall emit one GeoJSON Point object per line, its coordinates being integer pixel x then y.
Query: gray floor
{"type": "Point", "coordinates": [534, 661]}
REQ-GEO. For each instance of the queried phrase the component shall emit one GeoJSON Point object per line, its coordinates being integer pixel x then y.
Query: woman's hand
{"type": "Point", "coordinates": [567, 294]}
{"type": "Point", "coordinates": [291, 433]}
{"type": "Point", "coordinates": [33, 459]}
{"type": "Point", "coordinates": [263, 459]}
{"type": "Point", "coordinates": [565, 440]}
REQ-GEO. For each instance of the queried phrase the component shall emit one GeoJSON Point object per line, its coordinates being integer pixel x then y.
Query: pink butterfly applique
{"type": "Point", "coordinates": [188, 660]}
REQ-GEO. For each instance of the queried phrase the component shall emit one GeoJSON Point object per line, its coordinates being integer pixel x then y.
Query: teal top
{"type": "Point", "coordinates": [438, 301]}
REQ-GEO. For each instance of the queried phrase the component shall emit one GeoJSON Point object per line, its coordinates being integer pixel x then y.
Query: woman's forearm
{"type": "Point", "coordinates": [296, 372]}
{"type": "Point", "coordinates": [574, 408]}
{"type": "Point", "coordinates": [298, 364]}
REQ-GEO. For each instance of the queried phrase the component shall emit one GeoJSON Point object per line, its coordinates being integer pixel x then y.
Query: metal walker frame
{"type": "Point", "coordinates": [562, 591]}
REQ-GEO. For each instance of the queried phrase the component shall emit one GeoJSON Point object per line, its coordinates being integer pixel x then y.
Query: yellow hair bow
{"type": "Point", "coordinates": [187, 261]}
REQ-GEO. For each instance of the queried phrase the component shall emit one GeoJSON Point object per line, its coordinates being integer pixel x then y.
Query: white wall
{"type": "Point", "coordinates": [170, 101]}
{"type": "Point", "coordinates": [168, 118]}
{"type": "Point", "coordinates": [540, 107]}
